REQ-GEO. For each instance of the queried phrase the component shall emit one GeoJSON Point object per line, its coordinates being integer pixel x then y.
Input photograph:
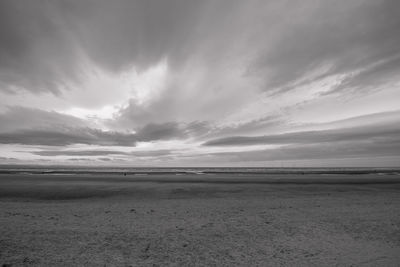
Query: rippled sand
{"type": "Point", "coordinates": [60, 221]}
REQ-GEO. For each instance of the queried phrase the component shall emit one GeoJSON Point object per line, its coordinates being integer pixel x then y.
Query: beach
{"type": "Point", "coordinates": [199, 220]}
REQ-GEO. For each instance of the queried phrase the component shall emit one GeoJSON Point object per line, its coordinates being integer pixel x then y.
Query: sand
{"type": "Point", "coordinates": [59, 221]}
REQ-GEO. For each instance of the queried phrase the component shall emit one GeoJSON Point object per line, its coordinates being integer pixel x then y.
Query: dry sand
{"type": "Point", "coordinates": [54, 221]}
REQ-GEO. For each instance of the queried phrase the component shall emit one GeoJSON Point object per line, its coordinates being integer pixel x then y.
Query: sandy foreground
{"type": "Point", "coordinates": [59, 221]}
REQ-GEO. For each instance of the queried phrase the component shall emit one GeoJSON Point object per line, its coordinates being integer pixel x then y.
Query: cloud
{"type": "Point", "coordinates": [152, 153]}
{"type": "Point", "coordinates": [105, 159]}
{"type": "Point", "coordinates": [89, 136]}
{"type": "Point", "coordinates": [260, 125]}
{"type": "Point", "coordinates": [306, 137]}
{"type": "Point", "coordinates": [27, 126]}
{"type": "Point", "coordinates": [45, 46]}
{"type": "Point", "coordinates": [378, 120]}
{"type": "Point", "coordinates": [7, 158]}
{"type": "Point", "coordinates": [95, 153]}
{"type": "Point", "coordinates": [16, 118]}
{"type": "Point", "coordinates": [68, 136]}
{"type": "Point", "coordinates": [81, 160]}
{"type": "Point", "coordinates": [384, 128]}
{"type": "Point", "coordinates": [163, 131]}
{"type": "Point", "coordinates": [37, 52]}
{"type": "Point", "coordinates": [344, 150]}
{"type": "Point", "coordinates": [349, 36]}
{"type": "Point", "coordinates": [372, 78]}
{"type": "Point", "coordinates": [51, 153]}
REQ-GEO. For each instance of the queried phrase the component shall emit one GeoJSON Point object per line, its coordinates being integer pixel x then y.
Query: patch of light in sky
{"type": "Point", "coordinates": [147, 85]}
{"type": "Point", "coordinates": [106, 112]}
{"type": "Point", "coordinates": [102, 87]}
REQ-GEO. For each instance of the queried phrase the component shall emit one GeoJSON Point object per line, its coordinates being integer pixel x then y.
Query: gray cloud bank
{"type": "Point", "coordinates": [375, 135]}
{"type": "Point", "coordinates": [372, 127]}
{"type": "Point", "coordinates": [309, 137]}
{"type": "Point", "coordinates": [150, 153]}
{"type": "Point", "coordinates": [68, 136]}
{"type": "Point", "coordinates": [344, 150]}
{"type": "Point", "coordinates": [37, 127]}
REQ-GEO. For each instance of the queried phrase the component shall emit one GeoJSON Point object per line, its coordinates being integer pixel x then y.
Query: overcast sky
{"type": "Point", "coordinates": [200, 83]}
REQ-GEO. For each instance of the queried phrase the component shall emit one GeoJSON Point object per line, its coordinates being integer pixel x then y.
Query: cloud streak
{"type": "Point", "coordinates": [37, 127]}
{"type": "Point", "coordinates": [52, 153]}
{"type": "Point", "coordinates": [95, 153]}
{"type": "Point", "coordinates": [314, 152]}
{"type": "Point", "coordinates": [368, 127]}
{"type": "Point", "coordinates": [89, 136]}
{"type": "Point", "coordinates": [68, 136]}
{"type": "Point", "coordinates": [309, 137]}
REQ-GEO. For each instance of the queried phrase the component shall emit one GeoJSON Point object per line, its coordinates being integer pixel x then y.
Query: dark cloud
{"type": "Point", "coordinates": [52, 153]}
{"type": "Point", "coordinates": [105, 159]}
{"type": "Point", "coordinates": [342, 36]}
{"type": "Point", "coordinates": [81, 159]}
{"type": "Point", "coordinates": [7, 158]}
{"type": "Point", "coordinates": [152, 153]}
{"type": "Point", "coordinates": [311, 137]}
{"type": "Point", "coordinates": [164, 131]}
{"type": "Point", "coordinates": [148, 153]}
{"type": "Point", "coordinates": [68, 136]}
{"type": "Point", "coordinates": [341, 150]}
{"type": "Point", "coordinates": [37, 52]}
{"type": "Point", "coordinates": [37, 127]}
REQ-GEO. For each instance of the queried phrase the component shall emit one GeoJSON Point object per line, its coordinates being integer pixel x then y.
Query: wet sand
{"type": "Point", "coordinates": [222, 220]}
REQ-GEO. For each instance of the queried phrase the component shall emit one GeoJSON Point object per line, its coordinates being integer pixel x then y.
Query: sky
{"type": "Point", "coordinates": [200, 83]}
